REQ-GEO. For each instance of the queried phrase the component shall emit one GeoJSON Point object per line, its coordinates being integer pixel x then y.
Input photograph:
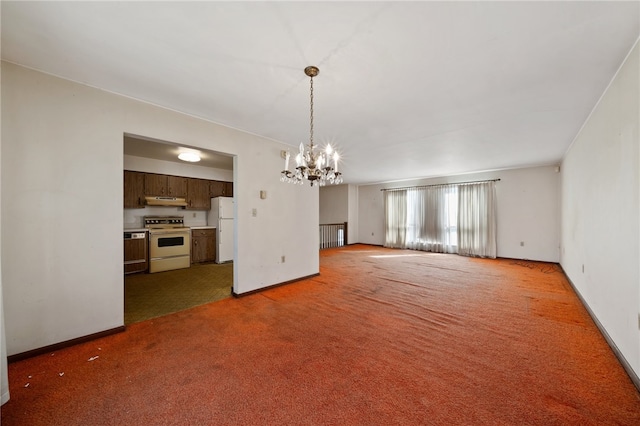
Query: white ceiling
{"type": "Point", "coordinates": [405, 90]}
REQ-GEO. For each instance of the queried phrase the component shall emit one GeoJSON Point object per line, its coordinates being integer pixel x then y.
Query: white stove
{"type": "Point", "coordinates": [169, 243]}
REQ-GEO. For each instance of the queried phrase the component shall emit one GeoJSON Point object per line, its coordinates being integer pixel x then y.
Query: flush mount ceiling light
{"type": "Point", "coordinates": [311, 165]}
{"type": "Point", "coordinates": [189, 156]}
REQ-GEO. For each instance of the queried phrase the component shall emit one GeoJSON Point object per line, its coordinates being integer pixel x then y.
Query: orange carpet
{"type": "Point", "coordinates": [381, 337]}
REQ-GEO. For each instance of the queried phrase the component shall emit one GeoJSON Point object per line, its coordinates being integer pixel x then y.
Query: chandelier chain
{"type": "Point", "coordinates": [311, 113]}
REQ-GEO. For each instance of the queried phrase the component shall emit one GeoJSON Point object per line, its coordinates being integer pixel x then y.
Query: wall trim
{"type": "Point", "coordinates": [259, 290]}
{"type": "Point", "coordinates": [57, 346]}
{"type": "Point", "coordinates": [623, 361]}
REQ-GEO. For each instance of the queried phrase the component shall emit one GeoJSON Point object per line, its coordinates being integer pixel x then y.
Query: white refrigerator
{"type": "Point", "coordinates": [221, 216]}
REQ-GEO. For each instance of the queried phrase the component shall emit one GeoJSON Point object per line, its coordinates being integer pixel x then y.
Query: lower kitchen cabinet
{"type": "Point", "coordinates": [203, 245]}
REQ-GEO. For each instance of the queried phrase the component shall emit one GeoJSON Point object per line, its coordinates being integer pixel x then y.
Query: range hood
{"type": "Point", "coordinates": [165, 201]}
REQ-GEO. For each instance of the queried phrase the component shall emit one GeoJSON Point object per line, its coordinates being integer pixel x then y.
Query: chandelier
{"type": "Point", "coordinates": [311, 164]}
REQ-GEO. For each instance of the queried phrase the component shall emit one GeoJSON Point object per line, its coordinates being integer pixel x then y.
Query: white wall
{"type": "Point", "coordinates": [62, 190]}
{"type": "Point", "coordinates": [528, 210]}
{"type": "Point", "coordinates": [352, 232]}
{"type": "Point", "coordinates": [601, 211]}
{"type": "Point", "coordinates": [339, 204]}
{"type": "Point", "coordinates": [134, 218]}
{"type": "Point", "coordinates": [4, 379]}
{"type": "Point", "coordinates": [334, 204]}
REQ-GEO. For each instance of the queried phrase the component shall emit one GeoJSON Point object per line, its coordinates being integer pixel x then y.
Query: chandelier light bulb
{"type": "Point", "coordinates": [286, 161]}
{"type": "Point", "coordinates": [328, 150]}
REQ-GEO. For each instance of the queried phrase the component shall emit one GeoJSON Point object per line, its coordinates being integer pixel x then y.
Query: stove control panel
{"type": "Point", "coordinates": [164, 221]}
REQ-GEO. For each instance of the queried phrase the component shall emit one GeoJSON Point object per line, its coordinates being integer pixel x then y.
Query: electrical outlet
{"type": "Point", "coordinates": [583, 268]}
{"type": "Point", "coordinates": [282, 259]}
{"type": "Point", "coordinates": [521, 243]}
{"type": "Point", "coordinates": [254, 212]}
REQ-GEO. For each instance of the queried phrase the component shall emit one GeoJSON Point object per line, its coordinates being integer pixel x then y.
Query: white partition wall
{"type": "Point", "coordinates": [4, 380]}
{"type": "Point", "coordinates": [601, 211]}
{"type": "Point", "coordinates": [62, 212]}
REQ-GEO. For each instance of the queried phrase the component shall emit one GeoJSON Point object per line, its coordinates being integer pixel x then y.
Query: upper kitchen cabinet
{"type": "Point", "coordinates": [228, 189]}
{"type": "Point", "coordinates": [133, 190]}
{"type": "Point", "coordinates": [165, 185]}
{"type": "Point", "coordinates": [176, 186]}
{"type": "Point", "coordinates": [198, 194]}
{"type": "Point", "coordinates": [155, 184]}
{"type": "Point", "coordinates": [221, 189]}
{"type": "Point", "coordinates": [216, 188]}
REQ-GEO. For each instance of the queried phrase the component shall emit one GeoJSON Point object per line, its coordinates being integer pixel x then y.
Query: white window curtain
{"type": "Point", "coordinates": [395, 215]}
{"type": "Point", "coordinates": [457, 218]}
{"type": "Point", "coordinates": [477, 219]}
{"type": "Point", "coordinates": [422, 218]}
{"type": "Point", "coordinates": [432, 219]}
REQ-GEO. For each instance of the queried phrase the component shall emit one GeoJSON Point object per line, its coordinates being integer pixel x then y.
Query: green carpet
{"type": "Point", "coordinates": [153, 295]}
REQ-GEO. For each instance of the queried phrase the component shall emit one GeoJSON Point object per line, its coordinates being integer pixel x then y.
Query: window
{"type": "Point", "coordinates": [428, 218]}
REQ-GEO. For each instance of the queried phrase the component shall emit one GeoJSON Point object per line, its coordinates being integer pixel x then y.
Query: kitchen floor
{"type": "Point", "coordinates": [150, 296]}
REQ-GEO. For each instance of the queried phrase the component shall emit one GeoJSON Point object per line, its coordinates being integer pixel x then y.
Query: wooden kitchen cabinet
{"type": "Point", "coordinates": [176, 186]}
{"type": "Point", "coordinates": [228, 189]}
{"type": "Point", "coordinates": [133, 190]}
{"type": "Point", "coordinates": [221, 189]}
{"type": "Point", "coordinates": [155, 184]}
{"type": "Point", "coordinates": [216, 188]}
{"type": "Point", "coordinates": [165, 185]}
{"type": "Point", "coordinates": [203, 245]}
{"type": "Point", "coordinates": [198, 194]}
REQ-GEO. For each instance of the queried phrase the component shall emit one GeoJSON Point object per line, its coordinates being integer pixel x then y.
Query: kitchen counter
{"type": "Point", "coordinates": [202, 227]}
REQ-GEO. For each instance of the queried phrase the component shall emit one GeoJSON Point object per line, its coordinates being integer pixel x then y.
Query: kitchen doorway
{"type": "Point", "coordinates": [150, 295]}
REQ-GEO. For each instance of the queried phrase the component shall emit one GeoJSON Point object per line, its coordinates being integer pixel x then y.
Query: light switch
{"type": "Point", "coordinates": [263, 195]}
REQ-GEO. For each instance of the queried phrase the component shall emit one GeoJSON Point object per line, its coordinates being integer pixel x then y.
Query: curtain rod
{"type": "Point", "coordinates": [439, 184]}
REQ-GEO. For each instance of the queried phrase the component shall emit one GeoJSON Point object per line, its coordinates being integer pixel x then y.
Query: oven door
{"type": "Point", "coordinates": [169, 249]}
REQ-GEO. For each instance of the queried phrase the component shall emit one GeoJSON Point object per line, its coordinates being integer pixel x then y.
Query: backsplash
{"type": "Point", "coordinates": [133, 218]}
